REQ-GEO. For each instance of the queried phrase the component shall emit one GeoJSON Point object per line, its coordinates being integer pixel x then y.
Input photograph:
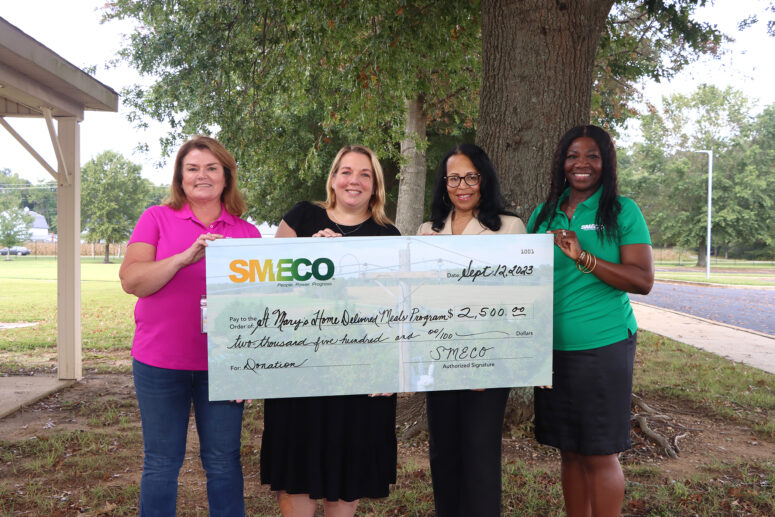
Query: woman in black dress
{"type": "Point", "coordinates": [335, 448]}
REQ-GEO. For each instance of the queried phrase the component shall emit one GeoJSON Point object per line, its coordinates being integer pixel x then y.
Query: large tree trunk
{"type": "Point", "coordinates": [411, 187]}
{"type": "Point", "coordinates": [537, 64]}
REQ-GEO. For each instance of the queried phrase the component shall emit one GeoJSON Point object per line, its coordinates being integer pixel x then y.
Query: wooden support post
{"type": "Point", "coordinates": [69, 251]}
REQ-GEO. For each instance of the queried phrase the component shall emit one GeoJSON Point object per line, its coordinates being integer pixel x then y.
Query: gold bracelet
{"type": "Point", "coordinates": [583, 257]}
{"type": "Point", "coordinates": [583, 269]}
{"type": "Point", "coordinates": [589, 262]}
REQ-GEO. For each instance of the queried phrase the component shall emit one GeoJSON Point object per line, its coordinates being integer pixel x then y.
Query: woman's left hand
{"type": "Point", "coordinates": [327, 232]}
{"type": "Point", "coordinates": [568, 242]}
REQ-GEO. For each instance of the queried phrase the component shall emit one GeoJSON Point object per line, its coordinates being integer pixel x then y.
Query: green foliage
{"type": "Point", "coordinates": [14, 227]}
{"type": "Point", "coordinates": [10, 193]}
{"type": "Point", "coordinates": [113, 195]}
{"type": "Point", "coordinates": [285, 84]}
{"type": "Point", "coordinates": [42, 198]}
{"type": "Point", "coordinates": [17, 192]}
{"type": "Point", "coordinates": [157, 193]}
{"type": "Point", "coordinates": [669, 179]}
{"type": "Point", "coordinates": [645, 40]}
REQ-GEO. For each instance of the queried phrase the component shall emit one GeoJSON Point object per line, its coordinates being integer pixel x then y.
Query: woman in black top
{"type": "Point", "coordinates": [335, 448]}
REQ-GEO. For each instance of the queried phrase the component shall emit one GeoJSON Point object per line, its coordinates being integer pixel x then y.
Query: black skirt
{"type": "Point", "coordinates": [335, 448]}
{"type": "Point", "coordinates": [587, 411]}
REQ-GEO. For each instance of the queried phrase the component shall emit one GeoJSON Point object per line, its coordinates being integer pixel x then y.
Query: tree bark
{"type": "Point", "coordinates": [537, 68]}
{"type": "Point", "coordinates": [411, 186]}
{"type": "Point", "coordinates": [107, 252]}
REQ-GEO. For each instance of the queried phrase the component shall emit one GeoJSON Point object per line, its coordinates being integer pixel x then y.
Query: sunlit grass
{"type": "Point", "coordinates": [759, 280]}
{"type": "Point", "coordinates": [744, 488]}
{"type": "Point", "coordinates": [82, 472]}
{"type": "Point", "coordinates": [29, 294]}
{"type": "Point", "coordinates": [672, 265]}
{"type": "Point", "coordinates": [721, 387]}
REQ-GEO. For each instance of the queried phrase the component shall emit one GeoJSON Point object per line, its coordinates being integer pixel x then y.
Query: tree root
{"type": "Point", "coordinates": [411, 415]}
{"type": "Point", "coordinates": [675, 441]}
{"type": "Point", "coordinates": [658, 438]}
{"type": "Point", "coordinates": [642, 419]}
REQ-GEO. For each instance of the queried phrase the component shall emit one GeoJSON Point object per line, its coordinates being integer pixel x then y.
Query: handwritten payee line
{"type": "Point", "coordinates": [388, 325]}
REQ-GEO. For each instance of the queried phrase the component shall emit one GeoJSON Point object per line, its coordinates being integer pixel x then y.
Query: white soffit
{"type": "Point", "coordinates": [33, 77]}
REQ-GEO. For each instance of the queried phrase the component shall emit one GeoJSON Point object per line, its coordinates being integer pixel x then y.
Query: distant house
{"type": "Point", "coordinates": [39, 228]}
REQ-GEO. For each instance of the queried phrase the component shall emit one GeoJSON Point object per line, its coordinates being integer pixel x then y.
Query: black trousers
{"type": "Point", "coordinates": [466, 428]}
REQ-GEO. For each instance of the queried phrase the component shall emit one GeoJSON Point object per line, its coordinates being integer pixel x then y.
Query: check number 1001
{"type": "Point", "coordinates": [485, 311]}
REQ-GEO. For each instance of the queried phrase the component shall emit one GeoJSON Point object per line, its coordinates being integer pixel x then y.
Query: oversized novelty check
{"type": "Point", "coordinates": [335, 316]}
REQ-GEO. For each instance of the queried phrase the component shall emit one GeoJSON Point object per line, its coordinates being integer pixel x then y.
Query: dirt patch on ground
{"type": "Point", "coordinates": [701, 438]}
{"type": "Point", "coordinates": [60, 411]}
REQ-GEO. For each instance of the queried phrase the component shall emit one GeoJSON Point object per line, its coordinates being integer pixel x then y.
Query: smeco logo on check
{"type": "Point", "coordinates": [284, 270]}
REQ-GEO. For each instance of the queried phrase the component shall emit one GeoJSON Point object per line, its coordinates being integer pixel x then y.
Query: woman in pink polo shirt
{"type": "Point", "coordinates": [164, 268]}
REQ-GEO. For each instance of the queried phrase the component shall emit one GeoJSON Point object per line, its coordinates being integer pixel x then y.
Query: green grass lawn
{"type": "Point", "coordinates": [84, 460]}
{"type": "Point", "coordinates": [29, 294]}
{"type": "Point", "coordinates": [735, 278]}
{"type": "Point", "coordinates": [722, 271]}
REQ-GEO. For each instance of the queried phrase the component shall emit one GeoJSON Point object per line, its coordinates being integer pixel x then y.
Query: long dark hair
{"type": "Point", "coordinates": [609, 208]}
{"type": "Point", "coordinates": [491, 204]}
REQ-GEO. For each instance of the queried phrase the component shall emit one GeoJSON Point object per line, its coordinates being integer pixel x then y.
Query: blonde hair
{"type": "Point", "coordinates": [231, 196]}
{"type": "Point", "coordinates": [377, 201]}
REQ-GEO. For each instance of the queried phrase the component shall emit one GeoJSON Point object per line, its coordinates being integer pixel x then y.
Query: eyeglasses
{"type": "Point", "coordinates": [471, 180]}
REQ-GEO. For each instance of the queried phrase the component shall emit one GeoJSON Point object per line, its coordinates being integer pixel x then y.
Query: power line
{"type": "Point", "coordinates": [36, 187]}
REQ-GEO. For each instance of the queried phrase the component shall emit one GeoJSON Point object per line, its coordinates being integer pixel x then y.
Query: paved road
{"type": "Point", "coordinates": [747, 308]}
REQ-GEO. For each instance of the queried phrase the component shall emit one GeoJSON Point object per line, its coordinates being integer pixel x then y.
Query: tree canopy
{"type": "Point", "coordinates": [41, 197]}
{"type": "Point", "coordinates": [14, 227]}
{"type": "Point", "coordinates": [644, 40]}
{"type": "Point", "coordinates": [113, 195]}
{"type": "Point", "coordinates": [669, 178]}
{"type": "Point", "coordinates": [284, 85]}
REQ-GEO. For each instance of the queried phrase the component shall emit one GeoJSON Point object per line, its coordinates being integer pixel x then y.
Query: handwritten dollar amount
{"type": "Point", "coordinates": [491, 312]}
{"type": "Point", "coordinates": [281, 320]}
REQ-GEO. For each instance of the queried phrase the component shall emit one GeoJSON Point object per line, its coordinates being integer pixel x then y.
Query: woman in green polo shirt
{"type": "Point", "coordinates": [602, 252]}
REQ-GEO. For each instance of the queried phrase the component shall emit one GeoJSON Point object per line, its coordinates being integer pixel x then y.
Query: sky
{"type": "Point", "coordinates": [71, 29]}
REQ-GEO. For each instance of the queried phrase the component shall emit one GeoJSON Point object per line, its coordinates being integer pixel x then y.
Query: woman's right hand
{"type": "Point", "coordinates": [142, 275]}
{"type": "Point", "coordinates": [196, 251]}
{"type": "Point", "coordinates": [568, 243]}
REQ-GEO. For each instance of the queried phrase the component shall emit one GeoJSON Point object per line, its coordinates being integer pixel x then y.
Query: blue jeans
{"type": "Point", "coordinates": [165, 397]}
